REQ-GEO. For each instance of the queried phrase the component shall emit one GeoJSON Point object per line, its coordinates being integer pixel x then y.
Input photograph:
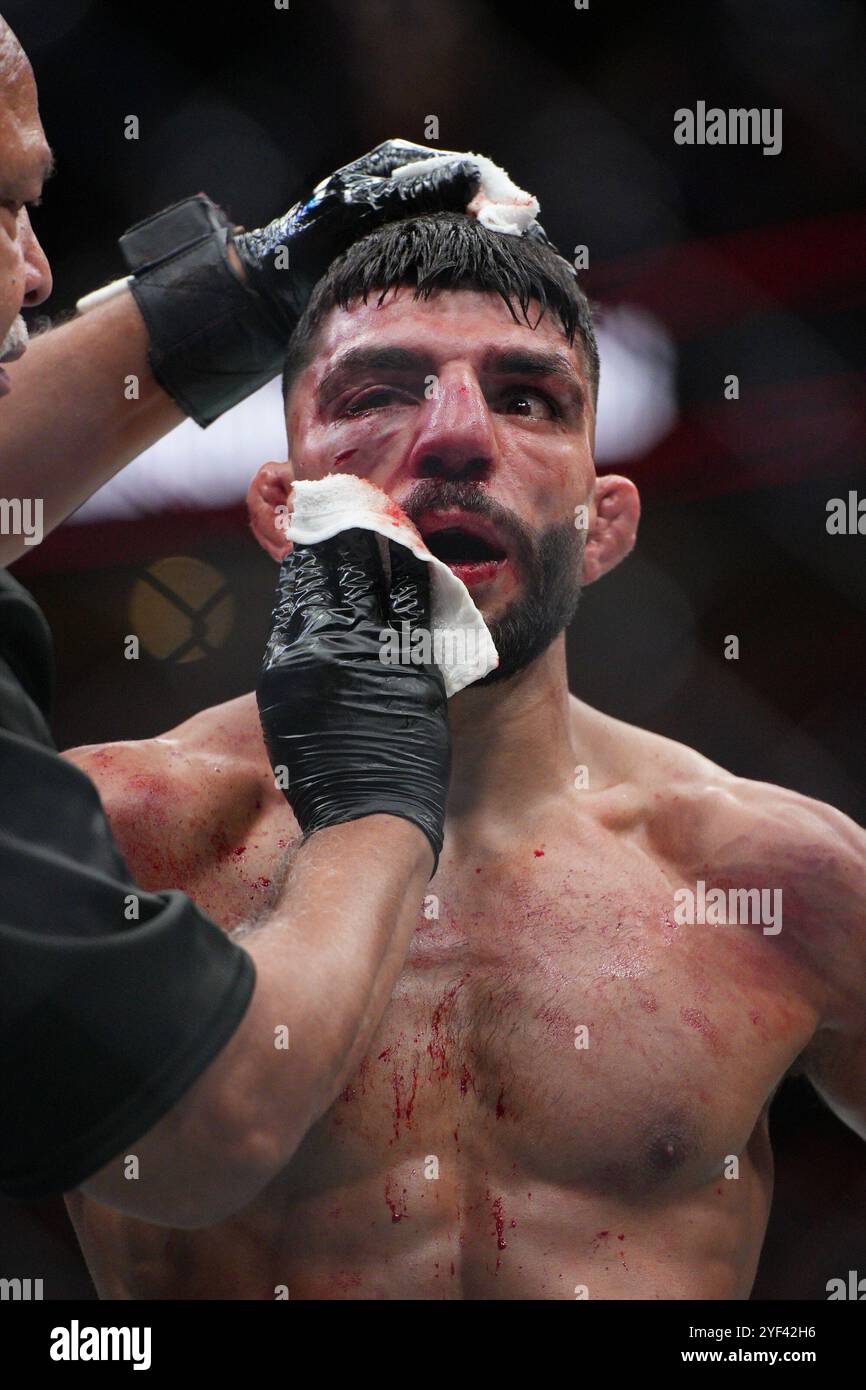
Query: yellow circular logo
{"type": "Point", "coordinates": [181, 609]}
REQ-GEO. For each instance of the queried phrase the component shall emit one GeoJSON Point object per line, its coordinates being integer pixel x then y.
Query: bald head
{"type": "Point", "coordinates": [25, 159]}
{"type": "Point", "coordinates": [13, 59]}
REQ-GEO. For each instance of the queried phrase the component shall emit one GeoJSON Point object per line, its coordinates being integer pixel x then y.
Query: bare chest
{"type": "Point", "coordinates": [553, 1019]}
{"type": "Point", "coordinates": [555, 1036]}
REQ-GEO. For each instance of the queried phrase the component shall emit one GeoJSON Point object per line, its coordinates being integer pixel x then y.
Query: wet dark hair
{"type": "Point", "coordinates": [448, 250]}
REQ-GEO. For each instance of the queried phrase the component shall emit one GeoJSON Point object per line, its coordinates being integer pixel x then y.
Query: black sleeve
{"type": "Point", "coordinates": [112, 1000]}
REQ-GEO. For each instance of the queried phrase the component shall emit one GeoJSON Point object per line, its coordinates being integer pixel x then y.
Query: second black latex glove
{"type": "Point", "coordinates": [342, 209]}
{"type": "Point", "coordinates": [355, 736]}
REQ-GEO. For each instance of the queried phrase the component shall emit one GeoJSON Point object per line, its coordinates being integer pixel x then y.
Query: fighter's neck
{"type": "Point", "coordinates": [513, 741]}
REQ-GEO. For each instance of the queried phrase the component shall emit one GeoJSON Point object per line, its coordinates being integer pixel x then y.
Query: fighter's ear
{"type": "Point", "coordinates": [268, 506]}
{"type": "Point", "coordinates": [614, 513]}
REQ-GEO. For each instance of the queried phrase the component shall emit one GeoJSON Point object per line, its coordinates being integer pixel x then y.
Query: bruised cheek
{"type": "Point", "coordinates": [371, 448]}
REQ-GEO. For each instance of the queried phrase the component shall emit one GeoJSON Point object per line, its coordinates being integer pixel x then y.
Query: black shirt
{"type": "Point", "coordinates": [112, 1000]}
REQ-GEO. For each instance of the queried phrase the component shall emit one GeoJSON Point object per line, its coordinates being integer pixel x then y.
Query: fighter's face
{"type": "Point", "coordinates": [480, 428]}
{"type": "Point", "coordinates": [25, 278]}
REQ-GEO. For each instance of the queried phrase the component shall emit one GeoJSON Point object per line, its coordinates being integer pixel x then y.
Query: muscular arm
{"type": "Point", "coordinates": [67, 426]}
{"type": "Point", "coordinates": [817, 856]}
{"type": "Point", "coordinates": [329, 955]}
{"type": "Point", "coordinates": [835, 1061]}
{"type": "Point", "coordinates": [753, 834]}
{"type": "Point", "coordinates": [327, 958]}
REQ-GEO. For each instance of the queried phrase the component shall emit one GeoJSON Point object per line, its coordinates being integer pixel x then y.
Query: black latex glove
{"type": "Point", "coordinates": [355, 736]}
{"type": "Point", "coordinates": [341, 210]}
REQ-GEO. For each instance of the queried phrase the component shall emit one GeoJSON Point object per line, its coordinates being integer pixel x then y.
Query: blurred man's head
{"type": "Point", "coordinates": [25, 159]}
{"type": "Point", "coordinates": [457, 369]}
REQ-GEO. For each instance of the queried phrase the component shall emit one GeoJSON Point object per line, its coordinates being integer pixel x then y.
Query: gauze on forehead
{"type": "Point", "coordinates": [460, 640]}
{"type": "Point", "coordinates": [499, 204]}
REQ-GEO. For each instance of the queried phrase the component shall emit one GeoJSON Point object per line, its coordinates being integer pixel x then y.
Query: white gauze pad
{"type": "Point", "coordinates": [460, 640]}
{"type": "Point", "coordinates": [499, 204]}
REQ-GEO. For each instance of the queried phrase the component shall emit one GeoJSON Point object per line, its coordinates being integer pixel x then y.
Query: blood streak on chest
{"type": "Point", "coordinates": [437, 1046]}
{"type": "Point", "coordinates": [499, 1221]}
{"type": "Point", "coordinates": [395, 1200]}
{"type": "Point", "coordinates": [404, 1099]}
{"type": "Point", "coordinates": [499, 1224]}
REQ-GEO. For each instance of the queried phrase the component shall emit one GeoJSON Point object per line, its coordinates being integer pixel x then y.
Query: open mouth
{"type": "Point", "coordinates": [467, 542]}
{"type": "Point", "coordinates": [454, 546]}
{"type": "Point", "coordinates": [472, 550]}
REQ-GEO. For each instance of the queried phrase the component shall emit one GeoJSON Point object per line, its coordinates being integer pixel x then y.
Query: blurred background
{"type": "Point", "coordinates": [705, 262]}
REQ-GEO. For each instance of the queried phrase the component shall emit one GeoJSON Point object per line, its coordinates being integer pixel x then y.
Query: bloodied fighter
{"type": "Point", "coordinates": [568, 1091]}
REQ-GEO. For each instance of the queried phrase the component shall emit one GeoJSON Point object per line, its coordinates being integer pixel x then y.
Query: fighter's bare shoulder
{"type": "Point", "coordinates": [709, 822]}
{"type": "Point", "coordinates": [167, 797]}
{"type": "Point", "coordinates": [706, 806]}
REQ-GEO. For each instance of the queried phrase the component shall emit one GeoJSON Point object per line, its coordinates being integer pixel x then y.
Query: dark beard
{"type": "Point", "coordinates": [547, 605]}
{"type": "Point", "coordinates": [549, 566]}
